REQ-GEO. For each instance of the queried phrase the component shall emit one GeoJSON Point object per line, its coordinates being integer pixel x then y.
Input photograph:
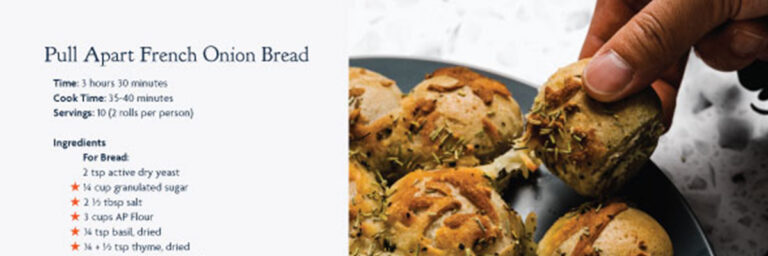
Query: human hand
{"type": "Point", "coordinates": [636, 43]}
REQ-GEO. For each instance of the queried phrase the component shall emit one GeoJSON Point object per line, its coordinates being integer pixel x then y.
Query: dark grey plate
{"type": "Point", "coordinates": [549, 197]}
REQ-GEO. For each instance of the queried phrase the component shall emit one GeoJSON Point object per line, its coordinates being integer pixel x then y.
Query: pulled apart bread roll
{"type": "Point", "coordinates": [594, 147]}
{"type": "Point", "coordinates": [366, 211]}
{"type": "Point", "coordinates": [611, 229]}
{"type": "Point", "coordinates": [452, 212]}
{"type": "Point", "coordinates": [455, 117]}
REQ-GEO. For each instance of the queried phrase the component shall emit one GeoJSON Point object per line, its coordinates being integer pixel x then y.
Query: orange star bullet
{"type": "Point", "coordinates": [75, 187]}
{"type": "Point", "coordinates": [75, 216]}
{"type": "Point", "coordinates": [75, 246]}
{"type": "Point", "coordinates": [75, 202]}
{"type": "Point", "coordinates": [75, 231]}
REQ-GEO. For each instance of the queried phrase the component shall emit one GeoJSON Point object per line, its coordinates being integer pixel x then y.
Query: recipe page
{"type": "Point", "coordinates": [384, 128]}
{"type": "Point", "coordinates": [173, 128]}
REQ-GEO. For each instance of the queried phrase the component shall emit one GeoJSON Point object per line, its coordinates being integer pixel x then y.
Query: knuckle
{"type": "Point", "coordinates": [651, 34]}
{"type": "Point", "coordinates": [730, 8]}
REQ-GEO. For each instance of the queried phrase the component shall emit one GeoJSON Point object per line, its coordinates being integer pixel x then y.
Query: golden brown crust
{"type": "Point", "coordinates": [356, 92]}
{"type": "Point", "coordinates": [357, 73]}
{"type": "Point", "coordinates": [605, 229]}
{"type": "Point", "coordinates": [481, 86]}
{"type": "Point", "coordinates": [371, 95]}
{"type": "Point", "coordinates": [451, 212]}
{"type": "Point", "coordinates": [461, 73]}
{"type": "Point", "coordinates": [593, 146]}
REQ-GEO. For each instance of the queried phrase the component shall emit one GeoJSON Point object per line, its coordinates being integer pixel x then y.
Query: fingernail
{"type": "Point", "coordinates": [608, 73]}
{"type": "Point", "coordinates": [746, 44]}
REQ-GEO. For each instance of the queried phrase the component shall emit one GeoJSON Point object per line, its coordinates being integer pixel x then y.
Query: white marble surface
{"type": "Point", "coordinates": [716, 151]}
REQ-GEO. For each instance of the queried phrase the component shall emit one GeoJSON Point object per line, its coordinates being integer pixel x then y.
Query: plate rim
{"type": "Point", "coordinates": [448, 62]}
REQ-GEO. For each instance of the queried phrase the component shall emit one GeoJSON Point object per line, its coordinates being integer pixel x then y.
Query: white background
{"type": "Point", "coordinates": [264, 156]}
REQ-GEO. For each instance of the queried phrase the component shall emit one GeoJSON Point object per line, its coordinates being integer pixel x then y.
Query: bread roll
{"type": "Point", "coordinates": [610, 229]}
{"type": "Point", "coordinates": [452, 212]}
{"type": "Point", "coordinates": [366, 211]}
{"type": "Point", "coordinates": [594, 147]}
{"type": "Point", "coordinates": [455, 117]}
{"type": "Point", "coordinates": [371, 95]}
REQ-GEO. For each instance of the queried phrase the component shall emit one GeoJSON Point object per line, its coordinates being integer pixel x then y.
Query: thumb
{"type": "Point", "coordinates": [657, 36]}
